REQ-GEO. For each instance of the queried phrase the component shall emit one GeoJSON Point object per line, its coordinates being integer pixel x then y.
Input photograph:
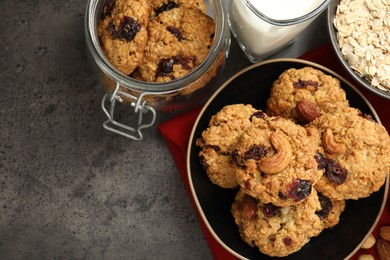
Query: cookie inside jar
{"type": "Point", "coordinates": [155, 41]}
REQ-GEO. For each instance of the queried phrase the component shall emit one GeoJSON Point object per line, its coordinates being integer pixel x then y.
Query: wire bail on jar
{"type": "Point", "coordinates": [140, 108]}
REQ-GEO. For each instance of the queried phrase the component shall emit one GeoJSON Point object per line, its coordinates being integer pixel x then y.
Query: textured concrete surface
{"type": "Point", "coordinates": [68, 188]}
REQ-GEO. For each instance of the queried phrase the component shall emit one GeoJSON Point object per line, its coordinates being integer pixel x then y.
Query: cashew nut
{"type": "Point", "coordinates": [330, 144]}
{"type": "Point", "coordinates": [279, 161]}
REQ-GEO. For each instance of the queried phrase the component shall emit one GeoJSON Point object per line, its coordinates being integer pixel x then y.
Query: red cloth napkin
{"type": "Point", "coordinates": [176, 133]}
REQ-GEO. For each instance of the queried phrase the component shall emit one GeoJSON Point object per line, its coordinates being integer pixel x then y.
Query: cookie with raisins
{"type": "Point", "coordinates": [277, 160]}
{"type": "Point", "coordinates": [179, 40]}
{"type": "Point", "coordinates": [218, 140]}
{"type": "Point", "coordinates": [304, 94]}
{"type": "Point", "coordinates": [276, 231]}
{"type": "Point", "coordinates": [123, 34]}
{"type": "Point", "coordinates": [356, 153]}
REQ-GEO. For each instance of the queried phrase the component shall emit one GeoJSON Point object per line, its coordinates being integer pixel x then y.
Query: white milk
{"type": "Point", "coordinates": [259, 38]}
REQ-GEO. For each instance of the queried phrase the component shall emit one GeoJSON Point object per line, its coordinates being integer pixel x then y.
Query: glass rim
{"type": "Point", "coordinates": [286, 22]}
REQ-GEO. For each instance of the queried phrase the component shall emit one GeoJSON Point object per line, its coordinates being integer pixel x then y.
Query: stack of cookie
{"type": "Point", "coordinates": [297, 163]}
{"type": "Point", "coordinates": [155, 40]}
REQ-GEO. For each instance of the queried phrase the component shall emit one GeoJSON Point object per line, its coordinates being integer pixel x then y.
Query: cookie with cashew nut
{"type": "Point", "coordinates": [276, 161]}
{"type": "Point", "coordinates": [219, 139]}
{"type": "Point", "coordinates": [276, 231]}
{"type": "Point", "coordinates": [356, 155]}
{"type": "Point", "coordinates": [304, 94]}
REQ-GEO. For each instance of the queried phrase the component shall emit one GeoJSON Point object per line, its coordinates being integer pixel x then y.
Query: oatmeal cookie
{"type": "Point", "coordinates": [356, 155]}
{"type": "Point", "coordinates": [277, 161]}
{"type": "Point", "coordinates": [179, 40]}
{"type": "Point", "coordinates": [276, 231]}
{"type": "Point", "coordinates": [123, 33]}
{"type": "Point", "coordinates": [304, 94]}
{"type": "Point", "coordinates": [218, 140]}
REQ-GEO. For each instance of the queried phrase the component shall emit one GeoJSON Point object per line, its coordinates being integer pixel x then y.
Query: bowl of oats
{"type": "Point", "coordinates": [155, 56]}
{"type": "Point", "coordinates": [360, 35]}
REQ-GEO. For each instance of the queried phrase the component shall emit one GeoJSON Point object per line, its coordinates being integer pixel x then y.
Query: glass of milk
{"type": "Point", "coordinates": [263, 27]}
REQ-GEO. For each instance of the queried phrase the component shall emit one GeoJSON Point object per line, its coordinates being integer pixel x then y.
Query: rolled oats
{"type": "Point", "coordinates": [363, 33]}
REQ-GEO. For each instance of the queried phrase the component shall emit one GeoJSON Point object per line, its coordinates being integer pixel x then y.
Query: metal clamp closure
{"type": "Point", "coordinates": [140, 108]}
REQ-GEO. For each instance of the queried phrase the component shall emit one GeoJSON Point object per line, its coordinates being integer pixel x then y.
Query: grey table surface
{"type": "Point", "coordinates": [68, 188]}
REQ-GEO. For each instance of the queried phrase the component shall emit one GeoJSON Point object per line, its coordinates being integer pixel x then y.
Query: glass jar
{"type": "Point", "coordinates": [150, 97]}
{"type": "Point", "coordinates": [263, 27]}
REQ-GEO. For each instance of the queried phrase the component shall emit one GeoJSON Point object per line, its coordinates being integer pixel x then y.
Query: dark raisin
{"type": "Point", "coordinates": [335, 172]}
{"type": "Point", "coordinates": [128, 29]}
{"type": "Point", "coordinates": [166, 7]}
{"type": "Point", "coordinates": [298, 189]}
{"type": "Point", "coordinates": [203, 163]}
{"type": "Point", "coordinates": [321, 161]}
{"type": "Point", "coordinates": [368, 117]}
{"type": "Point", "coordinates": [258, 114]}
{"type": "Point", "coordinates": [135, 74]}
{"type": "Point", "coordinates": [111, 29]}
{"type": "Point", "coordinates": [255, 152]}
{"type": "Point", "coordinates": [249, 208]}
{"type": "Point", "coordinates": [247, 185]}
{"type": "Point", "coordinates": [166, 66]}
{"type": "Point", "coordinates": [282, 196]}
{"type": "Point", "coordinates": [216, 148]}
{"type": "Point", "coordinates": [326, 206]}
{"type": "Point", "coordinates": [176, 32]}
{"type": "Point", "coordinates": [211, 40]}
{"type": "Point", "coordinates": [108, 7]}
{"type": "Point", "coordinates": [287, 241]}
{"type": "Point", "coordinates": [270, 210]}
{"type": "Point", "coordinates": [306, 83]}
{"type": "Point", "coordinates": [186, 62]}
{"type": "Point", "coordinates": [236, 158]}
{"type": "Point", "coordinates": [200, 142]}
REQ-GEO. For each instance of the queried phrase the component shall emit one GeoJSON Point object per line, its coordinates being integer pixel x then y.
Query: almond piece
{"type": "Point", "coordinates": [383, 249]}
{"type": "Point", "coordinates": [384, 232]}
{"type": "Point", "coordinates": [307, 111]}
